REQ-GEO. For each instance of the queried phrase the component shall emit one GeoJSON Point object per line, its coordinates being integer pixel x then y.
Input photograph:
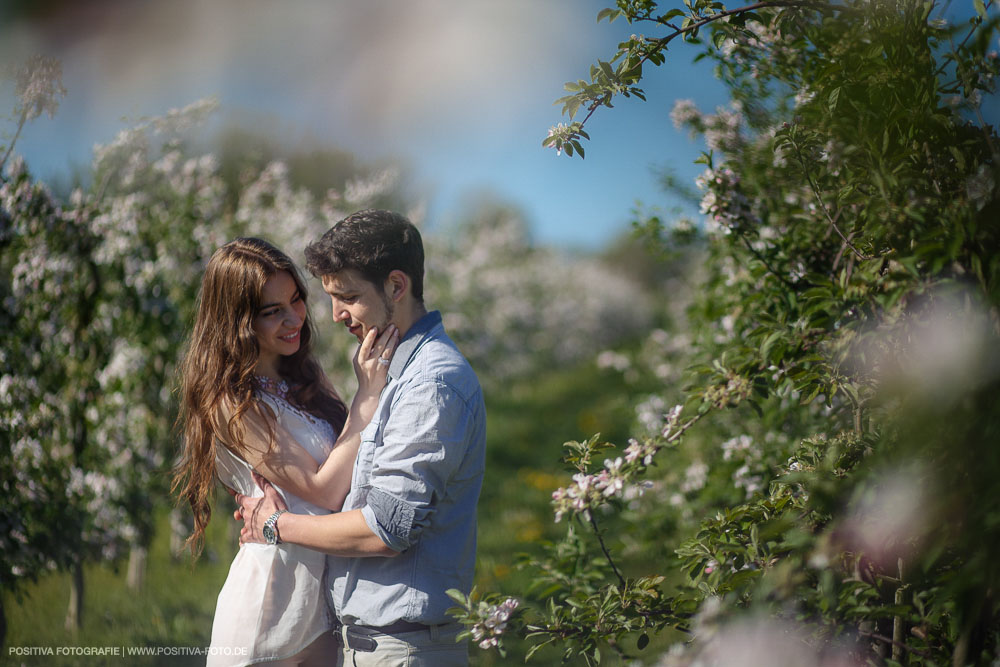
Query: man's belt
{"type": "Point", "coordinates": [361, 637]}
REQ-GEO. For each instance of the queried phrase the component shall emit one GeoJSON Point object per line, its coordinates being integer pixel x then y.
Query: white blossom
{"type": "Point", "coordinates": [39, 86]}
{"type": "Point", "coordinates": [695, 477]}
{"type": "Point", "coordinates": [684, 113]}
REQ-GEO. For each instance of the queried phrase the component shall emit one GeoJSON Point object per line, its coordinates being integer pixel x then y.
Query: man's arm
{"type": "Point", "coordinates": [342, 534]}
{"type": "Point", "coordinates": [424, 441]}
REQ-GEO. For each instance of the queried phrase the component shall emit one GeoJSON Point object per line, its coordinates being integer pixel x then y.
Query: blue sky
{"type": "Point", "coordinates": [463, 92]}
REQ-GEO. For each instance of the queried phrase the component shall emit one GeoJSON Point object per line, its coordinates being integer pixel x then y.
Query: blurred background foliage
{"type": "Point", "coordinates": [824, 491]}
{"type": "Point", "coordinates": [800, 389]}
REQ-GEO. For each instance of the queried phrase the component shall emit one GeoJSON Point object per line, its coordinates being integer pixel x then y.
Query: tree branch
{"type": "Point", "coordinates": [892, 642]}
{"type": "Point", "coordinates": [822, 204]}
{"type": "Point", "coordinates": [604, 548]}
{"type": "Point", "coordinates": [968, 35]}
{"type": "Point", "coordinates": [593, 522]}
{"type": "Point", "coordinates": [976, 107]}
{"type": "Point", "coordinates": [20, 126]}
{"type": "Point", "coordinates": [694, 27]}
{"type": "Point", "coordinates": [785, 281]}
{"type": "Point", "coordinates": [661, 43]}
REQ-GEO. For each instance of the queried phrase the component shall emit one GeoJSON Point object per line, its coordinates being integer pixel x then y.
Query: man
{"type": "Point", "coordinates": [407, 532]}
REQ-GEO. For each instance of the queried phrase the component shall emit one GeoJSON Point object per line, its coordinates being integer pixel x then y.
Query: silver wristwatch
{"type": "Point", "coordinates": [270, 529]}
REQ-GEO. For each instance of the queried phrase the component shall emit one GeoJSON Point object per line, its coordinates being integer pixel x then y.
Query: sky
{"type": "Point", "coordinates": [461, 92]}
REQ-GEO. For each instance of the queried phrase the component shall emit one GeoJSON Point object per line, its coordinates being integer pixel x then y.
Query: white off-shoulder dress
{"type": "Point", "coordinates": [273, 603]}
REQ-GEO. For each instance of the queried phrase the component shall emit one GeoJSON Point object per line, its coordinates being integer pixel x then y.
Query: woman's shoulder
{"type": "Point", "coordinates": [229, 405]}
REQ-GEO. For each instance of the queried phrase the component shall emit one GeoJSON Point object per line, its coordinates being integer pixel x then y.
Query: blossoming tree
{"type": "Point", "coordinates": [817, 495]}
{"type": "Point", "coordinates": [96, 291]}
{"type": "Point", "coordinates": [99, 294]}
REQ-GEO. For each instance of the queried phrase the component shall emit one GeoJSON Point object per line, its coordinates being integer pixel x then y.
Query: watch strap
{"type": "Point", "coordinates": [271, 528]}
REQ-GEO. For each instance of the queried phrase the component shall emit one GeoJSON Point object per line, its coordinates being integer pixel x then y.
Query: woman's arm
{"type": "Point", "coordinates": [291, 467]}
{"type": "Point", "coordinates": [341, 534]}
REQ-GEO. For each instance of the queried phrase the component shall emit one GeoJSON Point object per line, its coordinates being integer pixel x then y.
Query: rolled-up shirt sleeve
{"type": "Point", "coordinates": [424, 442]}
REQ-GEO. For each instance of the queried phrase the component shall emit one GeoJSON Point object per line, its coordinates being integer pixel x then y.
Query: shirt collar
{"type": "Point", "coordinates": [411, 341]}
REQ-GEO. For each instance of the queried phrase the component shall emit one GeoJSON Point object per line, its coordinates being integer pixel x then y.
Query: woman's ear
{"type": "Point", "coordinates": [396, 285]}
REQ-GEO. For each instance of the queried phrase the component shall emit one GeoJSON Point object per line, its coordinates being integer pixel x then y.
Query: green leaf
{"type": "Point", "coordinates": [980, 8]}
{"type": "Point", "coordinates": [572, 106]}
{"type": "Point", "coordinates": [769, 342]}
{"type": "Point", "coordinates": [458, 596]}
{"type": "Point", "coordinates": [535, 648]}
{"type": "Point", "coordinates": [606, 69]}
{"type": "Point", "coordinates": [959, 157]}
{"type": "Point", "coordinates": [812, 394]}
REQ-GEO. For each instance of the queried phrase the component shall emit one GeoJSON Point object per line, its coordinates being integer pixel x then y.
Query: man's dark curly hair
{"type": "Point", "coordinates": [374, 243]}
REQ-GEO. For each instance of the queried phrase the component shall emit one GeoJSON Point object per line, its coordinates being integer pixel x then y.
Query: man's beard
{"type": "Point", "coordinates": [390, 310]}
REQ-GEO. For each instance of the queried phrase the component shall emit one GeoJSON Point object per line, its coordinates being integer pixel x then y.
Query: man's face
{"type": "Point", "coordinates": [359, 304]}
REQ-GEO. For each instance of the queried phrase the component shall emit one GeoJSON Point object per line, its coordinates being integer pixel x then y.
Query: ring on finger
{"type": "Point", "coordinates": [383, 361]}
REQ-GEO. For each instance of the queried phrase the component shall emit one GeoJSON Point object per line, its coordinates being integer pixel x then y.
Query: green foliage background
{"type": "Point", "coordinates": [838, 419]}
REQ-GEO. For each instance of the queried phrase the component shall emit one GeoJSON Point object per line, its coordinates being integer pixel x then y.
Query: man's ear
{"type": "Point", "coordinates": [397, 285]}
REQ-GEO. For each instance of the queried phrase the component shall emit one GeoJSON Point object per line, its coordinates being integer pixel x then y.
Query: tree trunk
{"type": "Point", "coordinates": [961, 649]}
{"type": "Point", "coordinates": [74, 615]}
{"type": "Point", "coordinates": [3, 624]}
{"type": "Point", "coordinates": [233, 529]}
{"type": "Point", "coordinates": [178, 533]}
{"type": "Point", "coordinates": [898, 622]}
{"type": "Point", "coordinates": [136, 567]}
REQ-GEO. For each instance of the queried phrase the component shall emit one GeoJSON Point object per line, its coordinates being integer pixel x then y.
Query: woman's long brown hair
{"type": "Point", "coordinates": [218, 370]}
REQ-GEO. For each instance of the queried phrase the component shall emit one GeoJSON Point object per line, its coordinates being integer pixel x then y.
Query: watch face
{"type": "Point", "coordinates": [268, 532]}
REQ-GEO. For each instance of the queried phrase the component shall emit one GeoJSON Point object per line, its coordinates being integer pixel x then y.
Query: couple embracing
{"type": "Point", "coordinates": [356, 521]}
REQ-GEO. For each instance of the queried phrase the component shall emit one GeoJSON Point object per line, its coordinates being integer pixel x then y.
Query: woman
{"type": "Point", "coordinates": [255, 400]}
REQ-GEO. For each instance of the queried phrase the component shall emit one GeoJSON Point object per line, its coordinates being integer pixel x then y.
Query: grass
{"type": "Point", "coordinates": [173, 609]}
{"type": "Point", "coordinates": [528, 421]}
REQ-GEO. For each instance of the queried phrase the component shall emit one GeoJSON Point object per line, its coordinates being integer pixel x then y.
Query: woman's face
{"type": "Point", "coordinates": [278, 322]}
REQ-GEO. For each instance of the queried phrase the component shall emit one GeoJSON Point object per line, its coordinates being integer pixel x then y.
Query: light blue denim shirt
{"type": "Point", "coordinates": [416, 481]}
